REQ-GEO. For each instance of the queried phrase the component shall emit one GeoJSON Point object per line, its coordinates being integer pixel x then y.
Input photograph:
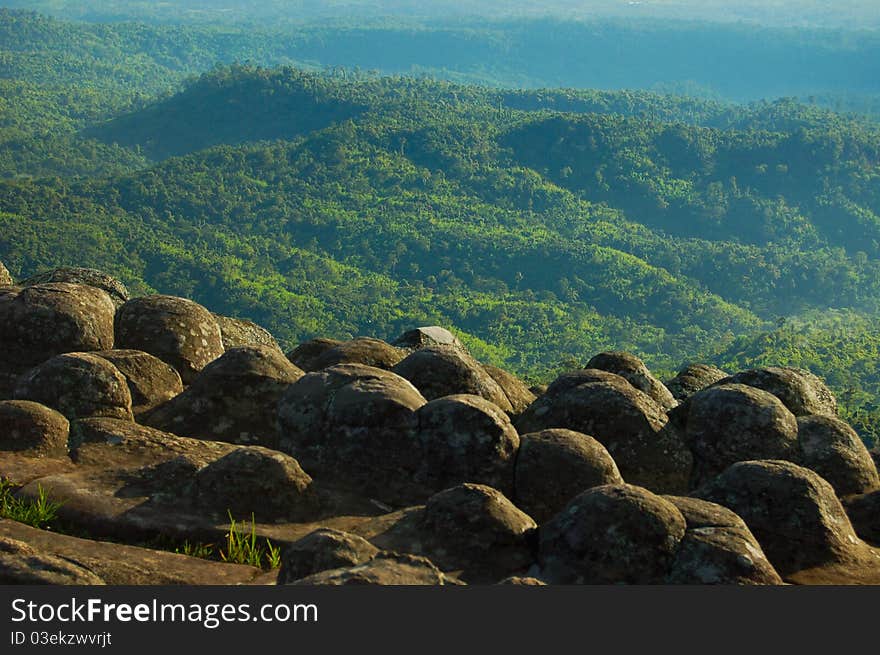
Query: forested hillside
{"type": "Point", "coordinates": [551, 224]}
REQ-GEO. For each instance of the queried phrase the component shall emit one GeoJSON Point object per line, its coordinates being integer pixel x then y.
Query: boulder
{"type": "Point", "coordinates": [253, 481]}
{"type": "Point", "coordinates": [522, 581]}
{"type": "Point", "coordinates": [32, 429]}
{"type": "Point", "coordinates": [518, 394]}
{"type": "Point", "coordinates": [39, 322]}
{"type": "Point", "coordinates": [798, 389]}
{"type": "Point", "coordinates": [354, 426]}
{"type": "Point", "coordinates": [635, 430]}
{"type": "Point", "coordinates": [151, 381]}
{"type": "Point", "coordinates": [307, 353]}
{"type": "Point", "coordinates": [832, 449]}
{"type": "Point", "coordinates": [86, 276]}
{"type": "Point", "coordinates": [180, 332]}
{"type": "Point", "coordinates": [21, 564]}
{"type": "Point", "coordinates": [732, 423]}
{"type": "Point", "coordinates": [538, 390]}
{"type": "Point", "coordinates": [793, 512]}
{"type": "Point", "coordinates": [438, 371]}
{"type": "Point", "coordinates": [553, 466]}
{"type": "Point", "coordinates": [610, 535]}
{"type": "Point", "coordinates": [362, 350]}
{"type": "Point", "coordinates": [427, 336]}
{"type": "Point", "coordinates": [475, 529]}
{"type": "Point", "coordinates": [5, 278]}
{"type": "Point", "coordinates": [693, 378]}
{"type": "Point", "coordinates": [864, 514]}
{"type": "Point", "coordinates": [79, 385]}
{"type": "Point", "coordinates": [718, 548]}
{"type": "Point", "coordinates": [234, 398]}
{"type": "Point", "coordinates": [237, 332]}
{"type": "Point", "coordinates": [384, 569]}
{"type": "Point", "coordinates": [464, 438]}
{"type": "Point", "coordinates": [323, 550]}
{"type": "Point", "coordinates": [634, 371]}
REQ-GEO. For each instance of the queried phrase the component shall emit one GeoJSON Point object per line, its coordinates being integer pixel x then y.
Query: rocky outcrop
{"type": "Point", "coordinates": [306, 354]}
{"type": "Point", "coordinates": [422, 337]}
{"type": "Point", "coordinates": [323, 550]}
{"type": "Point", "coordinates": [362, 350]}
{"type": "Point", "coordinates": [732, 423]}
{"type": "Point", "coordinates": [5, 277]}
{"type": "Point", "coordinates": [383, 569]}
{"type": "Point", "coordinates": [237, 332]}
{"type": "Point", "coordinates": [234, 398]}
{"type": "Point", "coordinates": [799, 390]}
{"type": "Point", "coordinates": [518, 394]}
{"type": "Point", "coordinates": [180, 332]}
{"type": "Point", "coordinates": [693, 378]}
{"type": "Point", "coordinates": [151, 381]}
{"type": "Point", "coordinates": [632, 427]}
{"type": "Point", "coordinates": [79, 385]}
{"type": "Point", "coordinates": [32, 429]}
{"type": "Point", "coordinates": [87, 276]}
{"type": "Point", "coordinates": [832, 449]}
{"type": "Point", "coordinates": [633, 370]}
{"type": "Point", "coordinates": [21, 563]}
{"type": "Point", "coordinates": [554, 466]}
{"type": "Point", "coordinates": [438, 371]}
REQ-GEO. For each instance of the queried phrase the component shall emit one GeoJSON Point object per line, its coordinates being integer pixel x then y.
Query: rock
{"type": "Point", "coordinates": [523, 581]}
{"type": "Point", "coordinates": [427, 336]}
{"type": "Point", "coordinates": [609, 535]}
{"type": "Point", "coordinates": [439, 371]}
{"type": "Point", "coordinates": [864, 514]}
{"type": "Point", "coordinates": [22, 564]}
{"type": "Point", "coordinates": [39, 322]}
{"type": "Point", "coordinates": [732, 423]}
{"type": "Point", "coordinates": [633, 428]}
{"type": "Point", "coordinates": [634, 371]}
{"type": "Point", "coordinates": [718, 548]}
{"type": "Point", "coordinates": [151, 381]}
{"type": "Point", "coordinates": [799, 390]}
{"type": "Point", "coordinates": [518, 394]}
{"type": "Point", "coordinates": [234, 399]}
{"type": "Point", "coordinates": [477, 530]}
{"type": "Point", "coordinates": [354, 426]}
{"type": "Point", "coordinates": [307, 353]}
{"type": "Point", "coordinates": [832, 449]}
{"type": "Point", "coordinates": [85, 276]}
{"type": "Point", "coordinates": [178, 331]}
{"type": "Point", "coordinates": [237, 332]}
{"type": "Point", "coordinates": [793, 512]}
{"type": "Point", "coordinates": [79, 385]}
{"type": "Point", "coordinates": [118, 564]}
{"type": "Point", "coordinates": [693, 378]}
{"type": "Point", "coordinates": [554, 466]}
{"type": "Point", "coordinates": [253, 481]}
{"type": "Point", "coordinates": [5, 278]}
{"type": "Point", "coordinates": [538, 390]}
{"type": "Point", "coordinates": [362, 350]}
{"type": "Point", "coordinates": [383, 569]}
{"type": "Point", "coordinates": [32, 429]}
{"type": "Point", "coordinates": [323, 550]}
{"type": "Point", "coordinates": [465, 438]}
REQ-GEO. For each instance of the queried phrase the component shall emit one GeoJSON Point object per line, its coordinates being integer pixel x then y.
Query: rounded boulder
{"type": "Point", "coordinates": [832, 449]}
{"type": "Point", "coordinates": [799, 390]}
{"type": "Point", "coordinates": [693, 378]}
{"type": "Point", "coordinates": [633, 370]}
{"type": "Point", "coordinates": [362, 350]}
{"type": "Point", "coordinates": [151, 381]}
{"type": "Point", "coordinates": [237, 332]}
{"type": "Point", "coordinates": [32, 429]}
{"type": "Point", "coordinates": [87, 276]}
{"type": "Point", "coordinates": [323, 550]}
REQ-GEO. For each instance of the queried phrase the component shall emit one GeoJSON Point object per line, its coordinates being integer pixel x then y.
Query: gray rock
{"type": "Point", "coordinates": [306, 354]}
{"type": "Point", "coordinates": [79, 385]}
{"type": "Point", "coordinates": [21, 564]}
{"type": "Point", "coordinates": [32, 429]}
{"type": "Point", "coordinates": [427, 336]}
{"type": "Point", "coordinates": [798, 389]}
{"type": "Point", "coordinates": [438, 371]}
{"type": "Point", "coordinates": [634, 371]}
{"type": "Point", "coordinates": [518, 394]}
{"type": "Point", "coordinates": [151, 381]}
{"type": "Point", "coordinates": [5, 278]}
{"type": "Point", "coordinates": [832, 449]}
{"type": "Point", "coordinates": [237, 332]}
{"type": "Point", "coordinates": [178, 331]}
{"type": "Point", "coordinates": [323, 550]}
{"type": "Point", "coordinates": [693, 378]}
{"type": "Point", "coordinates": [732, 423]}
{"type": "Point", "coordinates": [383, 569]}
{"type": "Point", "coordinates": [609, 535]}
{"type": "Point", "coordinates": [234, 399]}
{"type": "Point", "coordinates": [864, 514]}
{"type": "Point", "coordinates": [554, 466]}
{"type": "Point", "coordinates": [362, 350]}
{"type": "Point", "coordinates": [87, 276]}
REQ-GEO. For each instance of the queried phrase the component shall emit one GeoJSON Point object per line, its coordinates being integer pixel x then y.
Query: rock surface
{"type": "Point", "coordinates": [79, 385]}
{"type": "Point", "coordinates": [518, 394]}
{"type": "Point", "coordinates": [5, 277]}
{"type": "Point", "coordinates": [383, 569]}
{"type": "Point", "coordinates": [832, 449]}
{"type": "Point", "coordinates": [362, 350]}
{"type": "Point", "coordinates": [422, 337]}
{"type": "Point", "coordinates": [151, 381]}
{"type": "Point", "coordinates": [798, 389]}
{"type": "Point", "coordinates": [237, 332]}
{"type": "Point", "coordinates": [634, 371]}
{"type": "Point", "coordinates": [306, 354]}
{"type": "Point", "coordinates": [234, 398]}
{"type": "Point", "coordinates": [87, 276]}
{"type": "Point", "coordinates": [554, 466]}
{"type": "Point", "coordinates": [693, 378]}
{"type": "Point", "coordinates": [32, 429]}
{"type": "Point", "coordinates": [323, 550]}
{"type": "Point", "coordinates": [178, 331]}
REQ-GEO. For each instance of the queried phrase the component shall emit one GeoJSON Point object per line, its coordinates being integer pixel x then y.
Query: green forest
{"type": "Point", "coordinates": [269, 180]}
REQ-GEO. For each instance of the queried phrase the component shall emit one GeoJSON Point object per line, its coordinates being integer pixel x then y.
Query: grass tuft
{"type": "Point", "coordinates": [36, 512]}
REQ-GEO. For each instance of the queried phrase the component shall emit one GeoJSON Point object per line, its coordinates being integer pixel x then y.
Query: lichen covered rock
{"type": "Point", "coordinates": [87, 276]}
{"type": "Point", "coordinates": [634, 371]}
{"type": "Point", "coordinates": [32, 429]}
